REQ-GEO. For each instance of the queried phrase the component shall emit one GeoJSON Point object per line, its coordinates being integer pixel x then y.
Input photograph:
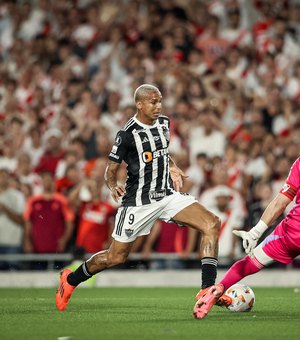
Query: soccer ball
{"type": "Point", "coordinates": [242, 297]}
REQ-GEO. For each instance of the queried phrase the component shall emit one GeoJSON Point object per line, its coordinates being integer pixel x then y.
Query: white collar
{"type": "Point", "coordinates": [145, 126]}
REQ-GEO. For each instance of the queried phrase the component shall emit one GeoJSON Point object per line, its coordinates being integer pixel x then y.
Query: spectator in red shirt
{"type": "Point", "coordinates": [95, 216]}
{"type": "Point", "coordinates": [48, 220]}
{"type": "Point", "coordinates": [66, 183]}
{"type": "Point", "coordinates": [53, 153]}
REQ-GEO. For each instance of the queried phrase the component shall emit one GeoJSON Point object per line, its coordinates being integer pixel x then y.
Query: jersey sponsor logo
{"type": "Point", "coordinates": [285, 188]}
{"type": "Point", "coordinates": [114, 156]}
{"type": "Point", "coordinates": [149, 156]}
{"type": "Point", "coordinates": [157, 195]}
{"type": "Point", "coordinates": [145, 140]}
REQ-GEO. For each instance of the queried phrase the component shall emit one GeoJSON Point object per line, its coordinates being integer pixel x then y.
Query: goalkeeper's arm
{"type": "Point", "coordinates": [271, 213]}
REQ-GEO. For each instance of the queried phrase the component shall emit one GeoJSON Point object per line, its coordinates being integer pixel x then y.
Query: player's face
{"type": "Point", "coordinates": [149, 108]}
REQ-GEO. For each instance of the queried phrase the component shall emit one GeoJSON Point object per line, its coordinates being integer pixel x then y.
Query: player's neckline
{"type": "Point", "coordinates": [145, 125]}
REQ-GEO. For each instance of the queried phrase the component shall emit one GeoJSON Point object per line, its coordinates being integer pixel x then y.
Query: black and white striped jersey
{"type": "Point", "coordinates": [145, 150]}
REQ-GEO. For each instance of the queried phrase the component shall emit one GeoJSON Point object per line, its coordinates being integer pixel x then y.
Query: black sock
{"type": "Point", "coordinates": [81, 274]}
{"type": "Point", "coordinates": [209, 271]}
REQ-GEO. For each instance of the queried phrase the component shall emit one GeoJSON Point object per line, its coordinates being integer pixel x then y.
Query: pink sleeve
{"type": "Point", "coordinates": [292, 183]}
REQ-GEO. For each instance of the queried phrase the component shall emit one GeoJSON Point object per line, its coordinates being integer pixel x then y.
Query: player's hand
{"type": "Point", "coordinates": [249, 240]}
{"type": "Point", "coordinates": [177, 176]}
{"type": "Point", "coordinates": [117, 192]}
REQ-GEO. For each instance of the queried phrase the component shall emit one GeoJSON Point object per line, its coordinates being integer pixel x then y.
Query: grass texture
{"type": "Point", "coordinates": [143, 313]}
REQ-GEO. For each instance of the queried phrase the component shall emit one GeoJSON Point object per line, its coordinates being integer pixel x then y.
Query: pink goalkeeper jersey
{"type": "Point", "coordinates": [291, 189]}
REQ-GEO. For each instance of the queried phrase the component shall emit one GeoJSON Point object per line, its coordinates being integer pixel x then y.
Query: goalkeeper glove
{"type": "Point", "coordinates": [251, 237]}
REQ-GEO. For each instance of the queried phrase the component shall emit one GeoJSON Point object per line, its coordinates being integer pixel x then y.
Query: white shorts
{"type": "Point", "coordinates": [132, 222]}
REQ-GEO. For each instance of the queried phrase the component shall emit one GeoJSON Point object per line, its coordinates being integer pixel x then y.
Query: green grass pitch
{"type": "Point", "coordinates": [144, 313]}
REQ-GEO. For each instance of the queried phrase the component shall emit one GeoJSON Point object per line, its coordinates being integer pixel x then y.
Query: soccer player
{"type": "Point", "coordinates": [282, 245]}
{"type": "Point", "coordinates": [151, 193]}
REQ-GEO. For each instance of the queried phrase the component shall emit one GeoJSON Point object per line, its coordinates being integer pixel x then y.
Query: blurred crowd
{"type": "Point", "coordinates": [229, 72]}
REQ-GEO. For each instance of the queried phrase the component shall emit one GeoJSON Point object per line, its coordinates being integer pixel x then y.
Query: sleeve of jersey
{"type": "Point", "coordinates": [166, 120]}
{"type": "Point", "coordinates": [292, 183]}
{"type": "Point", "coordinates": [119, 148]}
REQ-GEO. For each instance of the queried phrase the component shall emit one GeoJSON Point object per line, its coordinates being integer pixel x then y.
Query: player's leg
{"type": "Point", "coordinates": [246, 266]}
{"type": "Point", "coordinates": [116, 254]}
{"type": "Point", "coordinates": [240, 269]}
{"type": "Point", "coordinates": [198, 217]}
{"type": "Point", "coordinates": [276, 247]}
{"type": "Point", "coordinates": [130, 223]}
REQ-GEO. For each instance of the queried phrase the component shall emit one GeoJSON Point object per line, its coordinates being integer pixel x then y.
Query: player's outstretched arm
{"type": "Point", "coordinates": [271, 213]}
{"type": "Point", "coordinates": [110, 176]}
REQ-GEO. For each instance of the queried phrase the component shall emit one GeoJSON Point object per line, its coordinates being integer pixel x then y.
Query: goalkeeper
{"type": "Point", "coordinates": [282, 245]}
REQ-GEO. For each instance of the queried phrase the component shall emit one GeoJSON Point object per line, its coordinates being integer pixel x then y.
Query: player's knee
{"type": "Point", "coordinates": [213, 226]}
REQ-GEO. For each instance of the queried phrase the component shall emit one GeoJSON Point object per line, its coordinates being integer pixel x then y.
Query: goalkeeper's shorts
{"type": "Point", "coordinates": [280, 245]}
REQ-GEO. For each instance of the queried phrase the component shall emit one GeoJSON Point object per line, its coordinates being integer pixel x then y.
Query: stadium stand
{"type": "Point", "coordinates": [230, 77]}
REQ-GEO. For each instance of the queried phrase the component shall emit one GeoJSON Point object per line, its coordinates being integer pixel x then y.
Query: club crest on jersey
{"type": "Point", "coordinates": [128, 232]}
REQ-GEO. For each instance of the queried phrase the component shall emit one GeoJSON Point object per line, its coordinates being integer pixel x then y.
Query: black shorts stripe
{"type": "Point", "coordinates": [121, 221]}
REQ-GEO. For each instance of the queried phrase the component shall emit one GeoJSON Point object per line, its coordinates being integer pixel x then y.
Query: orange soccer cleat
{"type": "Point", "coordinates": [207, 299]}
{"type": "Point", "coordinates": [64, 290]}
{"type": "Point", "coordinates": [224, 301]}
{"type": "Point", "coordinates": [202, 292]}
